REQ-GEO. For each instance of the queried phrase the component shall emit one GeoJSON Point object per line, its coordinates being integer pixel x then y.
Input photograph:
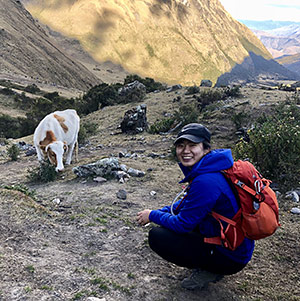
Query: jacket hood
{"type": "Point", "coordinates": [214, 161]}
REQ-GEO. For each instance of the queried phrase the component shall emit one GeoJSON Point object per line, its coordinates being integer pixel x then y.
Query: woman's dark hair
{"type": "Point", "coordinates": [206, 145]}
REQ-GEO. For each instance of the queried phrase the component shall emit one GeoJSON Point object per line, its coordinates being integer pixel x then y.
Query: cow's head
{"type": "Point", "coordinates": [55, 152]}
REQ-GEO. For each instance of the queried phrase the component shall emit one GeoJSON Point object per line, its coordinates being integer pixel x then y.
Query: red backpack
{"type": "Point", "coordinates": [258, 216]}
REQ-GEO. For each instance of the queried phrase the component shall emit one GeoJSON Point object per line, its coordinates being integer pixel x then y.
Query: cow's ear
{"type": "Point", "coordinates": [65, 146]}
{"type": "Point", "coordinates": [42, 147]}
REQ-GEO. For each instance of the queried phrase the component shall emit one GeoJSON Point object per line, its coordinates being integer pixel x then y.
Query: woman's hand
{"type": "Point", "coordinates": [143, 217]}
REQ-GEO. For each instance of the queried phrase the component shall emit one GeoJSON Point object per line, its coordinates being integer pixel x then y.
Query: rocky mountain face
{"type": "Point", "coordinates": [28, 52]}
{"type": "Point", "coordinates": [284, 44]}
{"type": "Point", "coordinates": [174, 41]}
{"type": "Point", "coordinates": [281, 41]}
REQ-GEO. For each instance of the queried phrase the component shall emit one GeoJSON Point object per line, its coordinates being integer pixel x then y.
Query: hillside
{"type": "Point", "coordinates": [74, 238]}
{"type": "Point", "coordinates": [29, 53]}
{"type": "Point", "coordinates": [281, 41]}
{"type": "Point", "coordinates": [171, 41]}
{"type": "Point", "coordinates": [284, 45]}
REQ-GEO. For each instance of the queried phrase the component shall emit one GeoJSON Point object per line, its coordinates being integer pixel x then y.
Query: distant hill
{"type": "Point", "coordinates": [174, 41]}
{"type": "Point", "coordinates": [284, 44]}
{"type": "Point", "coordinates": [281, 41]}
{"type": "Point", "coordinates": [292, 62]}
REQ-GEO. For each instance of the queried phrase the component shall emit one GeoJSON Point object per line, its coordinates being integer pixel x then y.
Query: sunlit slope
{"type": "Point", "coordinates": [171, 41]}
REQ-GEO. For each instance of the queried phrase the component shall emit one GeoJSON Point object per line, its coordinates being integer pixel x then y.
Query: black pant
{"type": "Point", "coordinates": [189, 250]}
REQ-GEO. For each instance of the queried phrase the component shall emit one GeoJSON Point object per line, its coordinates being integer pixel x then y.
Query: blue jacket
{"type": "Point", "coordinates": [208, 191]}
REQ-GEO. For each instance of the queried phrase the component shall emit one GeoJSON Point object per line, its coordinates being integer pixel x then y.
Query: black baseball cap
{"type": "Point", "coordinates": [194, 132]}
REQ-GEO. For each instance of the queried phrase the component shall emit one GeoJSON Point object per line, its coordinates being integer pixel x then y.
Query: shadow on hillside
{"type": "Point", "coordinates": [254, 66]}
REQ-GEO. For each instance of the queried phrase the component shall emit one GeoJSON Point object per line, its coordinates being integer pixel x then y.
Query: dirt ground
{"type": "Point", "coordinates": [88, 244]}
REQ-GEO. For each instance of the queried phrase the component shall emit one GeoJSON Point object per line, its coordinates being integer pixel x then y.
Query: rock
{"type": "Point", "coordinates": [135, 120]}
{"type": "Point", "coordinates": [174, 88]}
{"type": "Point", "coordinates": [122, 194]}
{"type": "Point", "coordinates": [99, 180]}
{"type": "Point", "coordinates": [206, 83]}
{"type": "Point", "coordinates": [106, 167]}
{"type": "Point", "coordinates": [292, 195]}
{"type": "Point", "coordinates": [135, 173]}
{"type": "Point", "coordinates": [153, 193]}
{"type": "Point", "coordinates": [295, 210]}
{"type": "Point", "coordinates": [56, 201]}
{"type": "Point", "coordinates": [131, 87]}
{"type": "Point", "coordinates": [95, 299]}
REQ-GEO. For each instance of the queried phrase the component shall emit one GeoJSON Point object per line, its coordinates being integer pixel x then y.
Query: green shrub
{"type": "Point", "coordinates": [44, 173]}
{"type": "Point", "coordinates": [240, 119]}
{"type": "Point", "coordinates": [7, 91]}
{"type": "Point", "coordinates": [98, 97]}
{"type": "Point", "coordinates": [192, 90]}
{"type": "Point", "coordinates": [162, 126]}
{"type": "Point", "coordinates": [208, 97]}
{"type": "Point", "coordinates": [275, 146]}
{"type": "Point", "coordinates": [32, 89]}
{"type": "Point", "coordinates": [149, 83]}
{"type": "Point", "coordinates": [232, 92]}
{"type": "Point", "coordinates": [13, 152]}
{"type": "Point", "coordinates": [86, 129]}
{"type": "Point", "coordinates": [22, 188]}
{"type": "Point", "coordinates": [186, 114]}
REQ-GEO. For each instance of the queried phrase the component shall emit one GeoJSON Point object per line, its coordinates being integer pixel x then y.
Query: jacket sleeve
{"type": "Point", "coordinates": [199, 202]}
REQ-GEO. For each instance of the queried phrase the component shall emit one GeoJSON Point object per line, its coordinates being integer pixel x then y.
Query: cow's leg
{"type": "Point", "coordinates": [40, 155]}
{"type": "Point", "coordinates": [69, 153]}
{"type": "Point", "coordinates": [76, 151]}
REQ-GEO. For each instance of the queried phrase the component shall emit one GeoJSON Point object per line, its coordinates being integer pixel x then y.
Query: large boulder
{"type": "Point", "coordinates": [135, 120]}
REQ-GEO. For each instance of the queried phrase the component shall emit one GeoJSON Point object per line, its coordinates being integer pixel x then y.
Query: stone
{"type": "Point", "coordinates": [122, 194]}
{"type": "Point", "coordinates": [292, 195]}
{"type": "Point", "coordinates": [106, 167]}
{"type": "Point", "coordinates": [135, 120]}
{"type": "Point", "coordinates": [295, 210]}
{"type": "Point", "coordinates": [99, 180]}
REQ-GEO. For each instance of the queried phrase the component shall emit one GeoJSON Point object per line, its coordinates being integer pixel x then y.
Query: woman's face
{"type": "Point", "coordinates": [189, 153]}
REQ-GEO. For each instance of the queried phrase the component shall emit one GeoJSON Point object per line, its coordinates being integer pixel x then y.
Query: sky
{"type": "Point", "coordinates": [261, 10]}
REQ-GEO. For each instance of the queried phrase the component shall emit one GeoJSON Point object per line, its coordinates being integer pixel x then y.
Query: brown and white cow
{"type": "Point", "coordinates": [55, 135]}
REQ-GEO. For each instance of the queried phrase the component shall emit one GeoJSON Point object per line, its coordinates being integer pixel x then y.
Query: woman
{"type": "Point", "coordinates": [185, 223]}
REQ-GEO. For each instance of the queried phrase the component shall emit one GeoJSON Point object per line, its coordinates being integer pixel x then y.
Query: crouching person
{"type": "Point", "coordinates": [184, 224]}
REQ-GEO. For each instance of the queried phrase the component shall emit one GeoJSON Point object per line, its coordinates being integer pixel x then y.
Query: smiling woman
{"type": "Point", "coordinates": [185, 224]}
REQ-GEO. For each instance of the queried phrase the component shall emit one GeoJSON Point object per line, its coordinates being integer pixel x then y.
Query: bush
{"type": "Point", "coordinates": [13, 152]}
{"type": "Point", "coordinates": [232, 92]}
{"type": "Point", "coordinates": [22, 188]}
{"type": "Point", "coordinates": [192, 90]}
{"type": "Point", "coordinates": [275, 146]}
{"type": "Point", "coordinates": [32, 89]}
{"type": "Point", "coordinates": [98, 97]}
{"type": "Point", "coordinates": [44, 173]}
{"type": "Point", "coordinates": [240, 119]}
{"type": "Point", "coordinates": [7, 91]}
{"type": "Point", "coordinates": [149, 83]}
{"type": "Point", "coordinates": [87, 129]}
{"type": "Point", "coordinates": [208, 97]}
{"type": "Point", "coordinates": [186, 114]}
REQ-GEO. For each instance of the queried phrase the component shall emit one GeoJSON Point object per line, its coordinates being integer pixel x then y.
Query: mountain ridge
{"type": "Point", "coordinates": [27, 51]}
{"type": "Point", "coordinates": [171, 41]}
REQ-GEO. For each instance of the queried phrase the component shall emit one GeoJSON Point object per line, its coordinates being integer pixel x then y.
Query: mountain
{"type": "Point", "coordinates": [291, 62]}
{"type": "Point", "coordinates": [284, 44]}
{"type": "Point", "coordinates": [173, 41]}
{"type": "Point", "coordinates": [28, 52]}
{"type": "Point", "coordinates": [281, 41]}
